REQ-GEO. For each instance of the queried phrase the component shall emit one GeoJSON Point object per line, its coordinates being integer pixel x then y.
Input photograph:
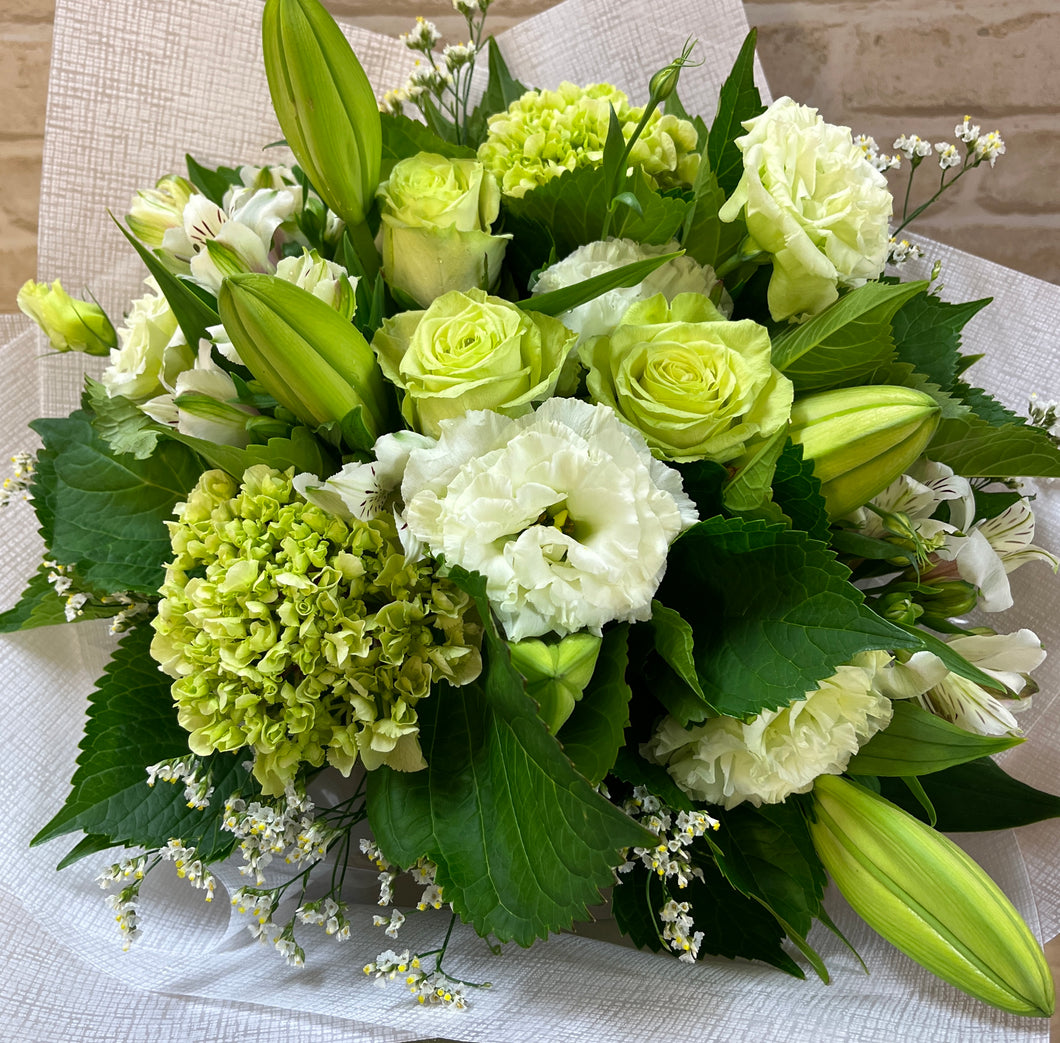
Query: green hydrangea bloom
{"type": "Point", "coordinates": [300, 635]}
{"type": "Point", "coordinates": [544, 133]}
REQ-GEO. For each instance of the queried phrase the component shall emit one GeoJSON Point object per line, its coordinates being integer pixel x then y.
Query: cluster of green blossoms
{"type": "Point", "coordinates": [544, 133]}
{"type": "Point", "coordinates": [300, 635]}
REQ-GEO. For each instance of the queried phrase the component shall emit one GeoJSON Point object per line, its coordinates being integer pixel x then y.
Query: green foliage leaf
{"type": "Point", "coordinates": [797, 492]}
{"type": "Point", "coordinates": [750, 487]}
{"type": "Point", "coordinates": [951, 658]}
{"type": "Point", "coordinates": [675, 643]}
{"type": "Point", "coordinates": [976, 449]}
{"type": "Point", "coordinates": [522, 841]}
{"type": "Point", "coordinates": [559, 301]}
{"type": "Point", "coordinates": [772, 610]}
{"type": "Point", "coordinates": [594, 732]}
{"type": "Point", "coordinates": [977, 796]}
{"type": "Point", "coordinates": [846, 342]}
{"type": "Point", "coordinates": [41, 606]}
{"type": "Point", "coordinates": [121, 423]}
{"type": "Point", "coordinates": [404, 137]}
{"type": "Point", "coordinates": [132, 724]}
{"type": "Point", "coordinates": [193, 313]}
{"type": "Point", "coordinates": [104, 514]}
{"type": "Point", "coordinates": [301, 450]}
{"type": "Point", "coordinates": [212, 183]}
{"type": "Point", "coordinates": [917, 742]}
{"type": "Point", "coordinates": [707, 238]}
{"type": "Point", "coordinates": [766, 854]}
{"type": "Point", "coordinates": [738, 101]}
{"type": "Point", "coordinates": [634, 770]}
{"type": "Point", "coordinates": [986, 407]}
{"type": "Point", "coordinates": [927, 335]}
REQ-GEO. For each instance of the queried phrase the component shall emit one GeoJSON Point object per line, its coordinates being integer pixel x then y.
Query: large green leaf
{"type": "Point", "coordinates": [707, 238]}
{"type": "Point", "coordinates": [738, 101]}
{"type": "Point", "coordinates": [846, 342]}
{"type": "Point", "coordinates": [105, 514]}
{"type": "Point", "coordinates": [977, 449]}
{"type": "Point", "coordinates": [977, 796]}
{"type": "Point", "coordinates": [595, 730]}
{"type": "Point", "coordinates": [917, 742]}
{"type": "Point", "coordinates": [132, 724]}
{"type": "Point", "coordinates": [41, 606]}
{"type": "Point", "coordinates": [772, 610]}
{"type": "Point", "coordinates": [522, 841]}
{"type": "Point", "coordinates": [797, 492]}
{"type": "Point", "coordinates": [927, 335]}
{"type": "Point", "coordinates": [634, 770]}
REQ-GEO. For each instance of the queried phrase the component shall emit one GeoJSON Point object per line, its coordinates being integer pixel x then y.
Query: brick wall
{"type": "Point", "coordinates": [881, 66]}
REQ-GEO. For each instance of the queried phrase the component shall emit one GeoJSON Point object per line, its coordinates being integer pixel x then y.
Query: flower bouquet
{"type": "Point", "coordinates": [549, 502]}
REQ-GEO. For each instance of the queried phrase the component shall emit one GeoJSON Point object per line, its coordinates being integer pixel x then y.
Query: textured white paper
{"type": "Point", "coordinates": [135, 85]}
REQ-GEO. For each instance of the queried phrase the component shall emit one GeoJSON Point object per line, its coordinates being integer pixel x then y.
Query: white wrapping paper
{"type": "Point", "coordinates": [136, 84]}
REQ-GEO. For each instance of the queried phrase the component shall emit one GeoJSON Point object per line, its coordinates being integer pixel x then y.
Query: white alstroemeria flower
{"type": "Point", "coordinates": [210, 412]}
{"type": "Point", "coordinates": [564, 511]}
{"type": "Point", "coordinates": [246, 225]}
{"type": "Point", "coordinates": [1008, 658]}
{"type": "Point", "coordinates": [982, 554]}
{"type": "Point", "coordinates": [601, 315]}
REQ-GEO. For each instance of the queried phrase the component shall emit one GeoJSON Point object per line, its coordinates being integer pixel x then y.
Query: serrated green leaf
{"type": "Point", "coordinates": [675, 643]}
{"type": "Point", "coordinates": [738, 101]}
{"type": "Point", "coordinates": [975, 448]}
{"type": "Point", "coordinates": [975, 797]}
{"type": "Point", "coordinates": [522, 842]}
{"type": "Point", "coordinates": [132, 724]}
{"type": "Point", "coordinates": [104, 514]}
{"type": "Point", "coordinates": [41, 606]}
{"type": "Point", "coordinates": [594, 732]}
{"type": "Point", "coordinates": [797, 492]}
{"type": "Point", "coordinates": [902, 374]}
{"type": "Point", "coordinates": [773, 613]}
{"type": "Point", "coordinates": [192, 312]}
{"type": "Point", "coordinates": [917, 742]}
{"type": "Point", "coordinates": [750, 486]}
{"type": "Point", "coordinates": [120, 422]}
{"type": "Point", "coordinates": [985, 406]}
{"type": "Point", "coordinates": [559, 301]}
{"type": "Point", "coordinates": [301, 450]}
{"type": "Point", "coordinates": [927, 335]}
{"type": "Point", "coordinates": [86, 846]}
{"type": "Point", "coordinates": [404, 137]}
{"type": "Point", "coordinates": [846, 342]}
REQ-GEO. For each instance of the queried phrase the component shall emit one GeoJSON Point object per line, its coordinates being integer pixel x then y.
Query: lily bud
{"type": "Point", "coordinates": [71, 325]}
{"type": "Point", "coordinates": [556, 672]}
{"type": "Point", "coordinates": [928, 898]}
{"type": "Point", "coordinates": [861, 439]}
{"type": "Point", "coordinates": [303, 352]}
{"type": "Point", "coordinates": [324, 103]}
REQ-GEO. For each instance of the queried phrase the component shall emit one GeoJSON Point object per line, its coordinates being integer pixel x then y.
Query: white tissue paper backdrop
{"type": "Point", "coordinates": [134, 85]}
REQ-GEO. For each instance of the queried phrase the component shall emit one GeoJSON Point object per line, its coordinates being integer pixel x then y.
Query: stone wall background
{"type": "Point", "coordinates": [883, 67]}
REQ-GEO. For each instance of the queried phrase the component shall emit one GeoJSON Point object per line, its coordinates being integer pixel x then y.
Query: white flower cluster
{"type": "Point", "coordinates": [329, 914]}
{"type": "Point", "coordinates": [190, 867]}
{"type": "Point", "coordinates": [978, 147]}
{"type": "Point", "coordinates": [130, 871]}
{"type": "Point", "coordinates": [422, 873]}
{"type": "Point", "coordinates": [676, 927]}
{"type": "Point", "coordinates": [285, 826]}
{"type": "Point", "coordinates": [197, 791]}
{"type": "Point", "coordinates": [670, 858]}
{"type": "Point", "coordinates": [903, 250]}
{"type": "Point", "coordinates": [433, 987]}
{"type": "Point", "coordinates": [880, 160]}
{"type": "Point", "coordinates": [16, 485]}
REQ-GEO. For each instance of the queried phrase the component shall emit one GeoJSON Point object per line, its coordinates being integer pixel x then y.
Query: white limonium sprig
{"type": "Point", "coordinates": [197, 789]}
{"type": "Point", "coordinates": [1044, 415]}
{"type": "Point", "coordinates": [16, 485]}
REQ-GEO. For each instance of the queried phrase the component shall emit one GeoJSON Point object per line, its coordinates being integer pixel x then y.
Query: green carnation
{"type": "Point", "coordinates": [544, 133]}
{"type": "Point", "coordinates": [300, 635]}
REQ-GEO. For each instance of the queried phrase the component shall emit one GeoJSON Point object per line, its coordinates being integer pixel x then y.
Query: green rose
{"type": "Point", "coordinates": [436, 216]}
{"type": "Point", "coordinates": [470, 351]}
{"type": "Point", "coordinates": [695, 385]}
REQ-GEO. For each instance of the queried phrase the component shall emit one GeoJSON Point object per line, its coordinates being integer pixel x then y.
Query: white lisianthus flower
{"type": "Point", "coordinates": [600, 316]}
{"type": "Point", "coordinates": [811, 199]}
{"type": "Point", "coordinates": [1008, 658]}
{"type": "Point", "coordinates": [153, 350]}
{"type": "Point", "coordinates": [726, 761]}
{"type": "Point", "coordinates": [564, 511]}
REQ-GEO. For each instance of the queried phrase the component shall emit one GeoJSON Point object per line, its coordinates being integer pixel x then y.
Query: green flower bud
{"type": "Point", "coordinates": [304, 353]}
{"type": "Point", "coordinates": [861, 439]}
{"type": "Point", "coordinates": [556, 672]}
{"type": "Point", "coordinates": [324, 103]}
{"type": "Point", "coordinates": [71, 325]}
{"type": "Point", "coordinates": [154, 211]}
{"type": "Point", "coordinates": [928, 898]}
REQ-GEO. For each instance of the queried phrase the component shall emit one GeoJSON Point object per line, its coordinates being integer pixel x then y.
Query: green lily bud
{"type": "Point", "coordinates": [71, 325]}
{"type": "Point", "coordinates": [324, 103]}
{"type": "Point", "coordinates": [861, 439]}
{"type": "Point", "coordinates": [303, 352]}
{"type": "Point", "coordinates": [556, 672]}
{"type": "Point", "coordinates": [928, 898]}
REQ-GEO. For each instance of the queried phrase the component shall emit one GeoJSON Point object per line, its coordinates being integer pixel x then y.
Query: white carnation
{"type": "Point", "coordinates": [600, 316]}
{"type": "Point", "coordinates": [725, 761]}
{"type": "Point", "coordinates": [564, 511]}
